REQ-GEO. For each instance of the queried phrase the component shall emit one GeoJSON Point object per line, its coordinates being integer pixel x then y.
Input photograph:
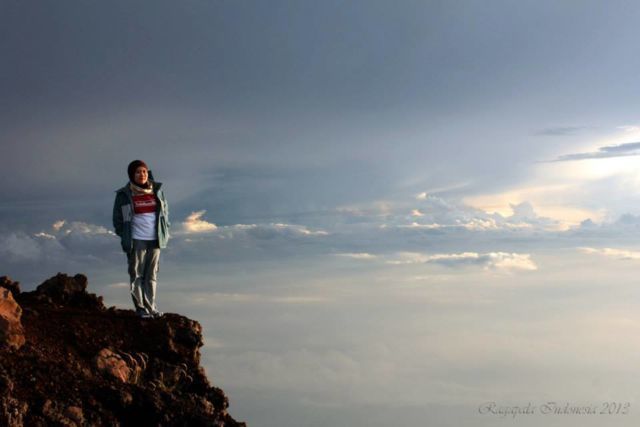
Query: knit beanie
{"type": "Point", "coordinates": [131, 169]}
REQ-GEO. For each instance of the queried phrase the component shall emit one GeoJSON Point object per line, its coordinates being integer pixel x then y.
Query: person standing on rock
{"type": "Point", "coordinates": [141, 219]}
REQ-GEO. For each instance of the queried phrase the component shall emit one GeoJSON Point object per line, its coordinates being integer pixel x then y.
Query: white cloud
{"type": "Point", "coordinates": [44, 235]}
{"type": "Point", "coordinates": [479, 224]}
{"type": "Point", "coordinates": [492, 224]}
{"type": "Point", "coordinates": [621, 254]}
{"type": "Point", "coordinates": [359, 255]}
{"type": "Point", "coordinates": [474, 224]}
{"type": "Point", "coordinates": [630, 128]}
{"type": "Point", "coordinates": [599, 180]}
{"type": "Point", "coordinates": [617, 150]}
{"type": "Point", "coordinates": [510, 261]}
{"type": "Point", "coordinates": [454, 216]}
{"type": "Point", "coordinates": [84, 239]}
{"type": "Point", "coordinates": [195, 224]}
{"type": "Point", "coordinates": [417, 225]}
{"type": "Point", "coordinates": [270, 231]}
{"type": "Point", "coordinates": [80, 227]}
{"type": "Point", "coordinates": [62, 228]}
{"type": "Point", "coordinates": [489, 260]}
{"type": "Point", "coordinates": [300, 229]}
{"type": "Point", "coordinates": [421, 258]}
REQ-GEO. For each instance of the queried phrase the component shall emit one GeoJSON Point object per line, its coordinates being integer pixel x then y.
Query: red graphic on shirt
{"type": "Point", "coordinates": [144, 203]}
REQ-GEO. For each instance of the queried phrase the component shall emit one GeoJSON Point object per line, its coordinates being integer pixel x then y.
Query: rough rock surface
{"type": "Point", "coordinates": [14, 287]}
{"type": "Point", "coordinates": [85, 365]}
{"type": "Point", "coordinates": [11, 331]}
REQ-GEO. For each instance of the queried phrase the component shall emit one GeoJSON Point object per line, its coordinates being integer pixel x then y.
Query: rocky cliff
{"type": "Point", "coordinates": [67, 360]}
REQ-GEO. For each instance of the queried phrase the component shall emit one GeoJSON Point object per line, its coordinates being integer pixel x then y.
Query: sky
{"type": "Point", "coordinates": [383, 213]}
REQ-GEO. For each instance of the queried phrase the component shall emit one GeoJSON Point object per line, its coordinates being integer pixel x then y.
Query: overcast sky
{"type": "Point", "coordinates": [382, 212]}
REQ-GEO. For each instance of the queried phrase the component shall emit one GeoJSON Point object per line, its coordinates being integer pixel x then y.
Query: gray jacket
{"type": "Point", "coordinates": [123, 214]}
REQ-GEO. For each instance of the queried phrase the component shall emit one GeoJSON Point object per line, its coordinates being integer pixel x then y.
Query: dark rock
{"type": "Point", "coordinates": [82, 365]}
{"type": "Point", "coordinates": [72, 291]}
{"type": "Point", "coordinates": [12, 410]}
{"type": "Point", "coordinates": [14, 287]}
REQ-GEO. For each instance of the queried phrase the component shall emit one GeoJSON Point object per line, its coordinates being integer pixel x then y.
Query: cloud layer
{"type": "Point", "coordinates": [620, 150]}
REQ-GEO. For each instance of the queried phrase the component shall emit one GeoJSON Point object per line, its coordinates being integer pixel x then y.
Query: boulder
{"type": "Point", "coordinates": [121, 367]}
{"type": "Point", "coordinates": [11, 331]}
{"type": "Point", "coordinates": [70, 291]}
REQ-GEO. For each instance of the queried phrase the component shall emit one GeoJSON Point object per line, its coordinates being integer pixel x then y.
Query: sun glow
{"type": "Point", "coordinates": [605, 167]}
{"type": "Point", "coordinates": [557, 189]}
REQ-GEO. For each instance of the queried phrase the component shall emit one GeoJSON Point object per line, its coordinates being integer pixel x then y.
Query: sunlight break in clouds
{"type": "Point", "coordinates": [490, 260]}
{"type": "Point", "coordinates": [564, 189]}
{"type": "Point", "coordinates": [195, 224]}
{"type": "Point", "coordinates": [548, 201]}
{"type": "Point", "coordinates": [621, 254]}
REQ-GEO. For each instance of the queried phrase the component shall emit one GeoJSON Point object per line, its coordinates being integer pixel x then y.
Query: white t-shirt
{"type": "Point", "coordinates": [143, 224]}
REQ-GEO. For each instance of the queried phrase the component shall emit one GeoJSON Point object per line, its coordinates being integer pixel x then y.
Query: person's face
{"type": "Point", "coordinates": [141, 175]}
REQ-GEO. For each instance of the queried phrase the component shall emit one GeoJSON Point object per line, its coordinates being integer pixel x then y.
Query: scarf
{"type": "Point", "coordinates": [136, 189]}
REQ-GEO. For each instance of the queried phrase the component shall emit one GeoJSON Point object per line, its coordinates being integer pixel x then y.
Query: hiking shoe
{"type": "Point", "coordinates": [144, 315]}
{"type": "Point", "coordinates": [157, 314]}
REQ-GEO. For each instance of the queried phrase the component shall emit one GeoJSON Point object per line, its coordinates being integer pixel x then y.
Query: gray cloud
{"type": "Point", "coordinates": [358, 232]}
{"type": "Point", "coordinates": [621, 150]}
{"type": "Point", "coordinates": [561, 130]}
{"type": "Point", "coordinates": [492, 260]}
{"type": "Point", "coordinates": [20, 247]}
{"type": "Point", "coordinates": [622, 229]}
{"type": "Point", "coordinates": [79, 240]}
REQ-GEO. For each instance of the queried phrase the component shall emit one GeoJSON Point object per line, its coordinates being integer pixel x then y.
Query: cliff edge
{"type": "Point", "coordinates": [67, 360]}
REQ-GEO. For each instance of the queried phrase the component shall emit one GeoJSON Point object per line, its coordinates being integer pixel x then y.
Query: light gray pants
{"type": "Point", "coordinates": [143, 272]}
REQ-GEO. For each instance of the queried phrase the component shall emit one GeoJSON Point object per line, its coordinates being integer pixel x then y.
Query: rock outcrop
{"type": "Point", "coordinates": [11, 332]}
{"type": "Point", "coordinates": [67, 360]}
